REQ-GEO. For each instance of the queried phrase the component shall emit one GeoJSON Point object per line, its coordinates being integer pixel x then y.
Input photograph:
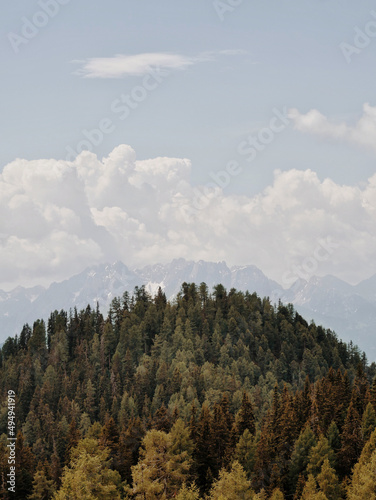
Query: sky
{"type": "Point", "coordinates": [143, 131]}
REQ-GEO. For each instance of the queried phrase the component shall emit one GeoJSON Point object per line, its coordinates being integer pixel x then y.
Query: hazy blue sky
{"type": "Point", "coordinates": [224, 73]}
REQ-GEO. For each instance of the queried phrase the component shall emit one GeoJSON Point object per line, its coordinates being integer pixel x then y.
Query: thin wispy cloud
{"type": "Point", "coordinates": [123, 65]}
{"type": "Point", "coordinates": [362, 133]}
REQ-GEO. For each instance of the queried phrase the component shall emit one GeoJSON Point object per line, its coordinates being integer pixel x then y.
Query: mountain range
{"type": "Point", "coordinates": [347, 309]}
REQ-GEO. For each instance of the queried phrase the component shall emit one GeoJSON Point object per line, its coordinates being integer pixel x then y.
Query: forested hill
{"type": "Point", "coordinates": [221, 388]}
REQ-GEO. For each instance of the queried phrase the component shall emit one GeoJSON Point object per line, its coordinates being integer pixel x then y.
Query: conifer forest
{"type": "Point", "coordinates": [215, 394]}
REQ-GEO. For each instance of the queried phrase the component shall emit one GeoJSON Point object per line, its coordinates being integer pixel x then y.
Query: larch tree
{"type": "Point", "coordinates": [300, 455]}
{"type": "Point", "coordinates": [232, 485]}
{"type": "Point", "coordinates": [352, 441]}
{"type": "Point", "coordinates": [43, 488]}
{"type": "Point", "coordinates": [368, 422]}
{"type": "Point", "coordinates": [188, 493]}
{"type": "Point", "coordinates": [311, 492]}
{"type": "Point", "coordinates": [318, 455]}
{"type": "Point", "coordinates": [165, 462]}
{"type": "Point", "coordinates": [363, 484]}
{"type": "Point", "coordinates": [328, 482]}
{"type": "Point", "coordinates": [89, 475]}
{"type": "Point", "coordinates": [245, 452]}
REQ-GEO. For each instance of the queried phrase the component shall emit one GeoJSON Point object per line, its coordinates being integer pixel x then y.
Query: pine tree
{"type": "Point", "coordinates": [372, 393]}
{"type": "Point", "coordinates": [363, 484]}
{"type": "Point", "coordinates": [165, 461]}
{"type": "Point", "coordinates": [188, 493]}
{"type": "Point", "coordinates": [43, 488]}
{"type": "Point", "coordinates": [204, 458]}
{"type": "Point", "coordinates": [352, 441]}
{"type": "Point", "coordinates": [286, 439]}
{"type": "Point", "coordinates": [162, 420]}
{"type": "Point", "coordinates": [300, 455]}
{"type": "Point", "coordinates": [222, 434]}
{"type": "Point", "coordinates": [245, 452]}
{"type": "Point", "coordinates": [310, 491]}
{"type": "Point", "coordinates": [245, 418]}
{"type": "Point", "coordinates": [110, 438]}
{"type": "Point", "coordinates": [328, 482]}
{"type": "Point", "coordinates": [300, 487]}
{"type": "Point", "coordinates": [265, 453]}
{"type": "Point", "coordinates": [89, 403]}
{"type": "Point", "coordinates": [180, 453]}
{"type": "Point", "coordinates": [37, 344]}
{"type": "Point", "coordinates": [129, 446]}
{"type": "Point", "coordinates": [360, 389]}
{"type": "Point", "coordinates": [334, 438]}
{"type": "Point", "coordinates": [24, 467]}
{"type": "Point", "coordinates": [72, 439]}
{"type": "Point", "coordinates": [89, 475]}
{"type": "Point", "coordinates": [232, 485]}
{"type": "Point", "coordinates": [277, 495]}
{"type": "Point", "coordinates": [318, 454]}
{"type": "Point", "coordinates": [368, 422]}
{"type": "Point", "coordinates": [4, 470]}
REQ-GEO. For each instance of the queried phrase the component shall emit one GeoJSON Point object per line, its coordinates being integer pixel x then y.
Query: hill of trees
{"type": "Point", "coordinates": [218, 395]}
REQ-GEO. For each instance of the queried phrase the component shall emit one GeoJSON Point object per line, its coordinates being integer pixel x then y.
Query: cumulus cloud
{"type": "Point", "coordinates": [122, 65]}
{"type": "Point", "coordinates": [363, 133]}
{"type": "Point", "coordinates": [59, 217]}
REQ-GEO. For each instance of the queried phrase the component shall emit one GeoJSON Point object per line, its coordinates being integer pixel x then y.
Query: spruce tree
{"type": "Point", "coordinates": [368, 422]}
{"type": "Point", "coordinates": [328, 482]}
{"type": "Point", "coordinates": [363, 484]}
{"type": "Point", "coordinates": [245, 418]}
{"type": "Point", "coordinates": [352, 441]}
{"type": "Point", "coordinates": [232, 485]}
{"type": "Point", "coordinates": [24, 467]}
{"type": "Point", "coordinates": [300, 455]}
{"type": "Point", "coordinates": [43, 488]}
{"type": "Point", "coordinates": [334, 437]}
{"type": "Point", "coordinates": [204, 454]}
{"type": "Point", "coordinates": [310, 491]}
{"type": "Point", "coordinates": [318, 454]}
{"type": "Point", "coordinates": [245, 452]}
{"type": "Point", "coordinates": [89, 474]}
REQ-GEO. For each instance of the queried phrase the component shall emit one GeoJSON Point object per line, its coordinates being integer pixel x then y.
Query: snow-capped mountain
{"type": "Point", "coordinates": [349, 310]}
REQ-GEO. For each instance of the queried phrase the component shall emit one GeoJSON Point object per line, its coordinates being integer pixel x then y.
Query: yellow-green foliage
{"type": "Point", "coordinates": [88, 476]}
{"type": "Point", "coordinates": [232, 485]}
{"type": "Point", "coordinates": [363, 484]}
{"type": "Point", "coordinates": [165, 461]}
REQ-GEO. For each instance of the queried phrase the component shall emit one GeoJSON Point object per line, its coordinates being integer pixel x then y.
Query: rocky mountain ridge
{"type": "Point", "coordinates": [347, 309]}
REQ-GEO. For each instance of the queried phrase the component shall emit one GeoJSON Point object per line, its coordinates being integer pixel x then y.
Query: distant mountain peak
{"type": "Point", "coordinates": [349, 310]}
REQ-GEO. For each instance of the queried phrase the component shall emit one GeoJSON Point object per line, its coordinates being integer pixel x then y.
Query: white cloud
{"type": "Point", "coordinates": [59, 217]}
{"type": "Point", "coordinates": [132, 65]}
{"type": "Point", "coordinates": [123, 65]}
{"type": "Point", "coordinates": [363, 133]}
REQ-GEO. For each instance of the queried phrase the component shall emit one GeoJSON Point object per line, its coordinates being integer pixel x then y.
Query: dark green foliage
{"type": "Point", "coordinates": [233, 366]}
{"type": "Point", "coordinates": [245, 418]}
{"type": "Point", "coordinates": [352, 441]}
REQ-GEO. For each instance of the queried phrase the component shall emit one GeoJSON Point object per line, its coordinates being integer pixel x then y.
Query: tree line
{"type": "Point", "coordinates": [215, 394]}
